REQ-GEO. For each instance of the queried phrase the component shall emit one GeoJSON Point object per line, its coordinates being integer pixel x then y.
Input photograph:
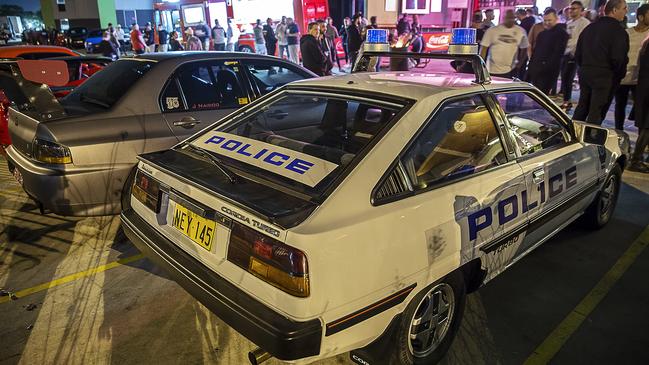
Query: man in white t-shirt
{"type": "Point", "coordinates": [507, 45]}
{"type": "Point", "coordinates": [574, 26]}
{"type": "Point", "coordinates": [637, 35]}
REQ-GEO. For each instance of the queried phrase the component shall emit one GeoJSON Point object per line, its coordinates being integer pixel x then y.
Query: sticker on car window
{"type": "Point", "coordinates": [199, 106]}
{"type": "Point", "coordinates": [243, 101]}
{"type": "Point", "coordinates": [295, 165]}
{"type": "Point", "coordinates": [172, 103]}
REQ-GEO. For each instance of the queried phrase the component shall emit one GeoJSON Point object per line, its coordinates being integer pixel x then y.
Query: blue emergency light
{"type": "Point", "coordinates": [463, 41]}
{"type": "Point", "coordinates": [376, 40]}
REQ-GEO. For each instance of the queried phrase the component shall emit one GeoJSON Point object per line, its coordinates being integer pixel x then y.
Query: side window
{"type": "Point", "coordinates": [533, 127]}
{"type": "Point", "coordinates": [204, 86]}
{"type": "Point", "coordinates": [460, 140]}
{"type": "Point", "coordinates": [172, 100]}
{"type": "Point", "coordinates": [270, 75]}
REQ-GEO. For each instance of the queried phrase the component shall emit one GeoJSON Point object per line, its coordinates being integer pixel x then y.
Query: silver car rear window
{"type": "Point", "coordinates": [106, 87]}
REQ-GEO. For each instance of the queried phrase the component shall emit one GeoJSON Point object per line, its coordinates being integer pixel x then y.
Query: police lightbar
{"type": "Point", "coordinates": [365, 63]}
{"type": "Point", "coordinates": [376, 40]}
{"type": "Point", "coordinates": [463, 42]}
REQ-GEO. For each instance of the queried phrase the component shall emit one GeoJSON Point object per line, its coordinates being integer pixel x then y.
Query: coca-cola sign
{"type": "Point", "coordinates": [437, 41]}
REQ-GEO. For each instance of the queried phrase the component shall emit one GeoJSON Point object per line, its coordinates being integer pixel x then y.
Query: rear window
{"type": "Point", "coordinates": [105, 88]}
{"type": "Point", "coordinates": [302, 140]}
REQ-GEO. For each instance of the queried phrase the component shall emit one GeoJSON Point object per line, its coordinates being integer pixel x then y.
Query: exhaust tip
{"type": "Point", "coordinates": [258, 356]}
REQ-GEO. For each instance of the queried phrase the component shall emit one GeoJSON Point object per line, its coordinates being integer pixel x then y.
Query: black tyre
{"type": "Point", "coordinates": [600, 211]}
{"type": "Point", "coordinates": [430, 322]}
{"type": "Point", "coordinates": [246, 49]}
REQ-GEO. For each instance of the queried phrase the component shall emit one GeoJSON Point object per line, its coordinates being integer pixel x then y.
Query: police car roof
{"type": "Point", "coordinates": [403, 83]}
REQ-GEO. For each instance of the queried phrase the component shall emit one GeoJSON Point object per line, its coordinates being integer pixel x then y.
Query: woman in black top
{"type": "Point", "coordinates": [107, 48]}
{"type": "Point", "coordinates": [174, 45]}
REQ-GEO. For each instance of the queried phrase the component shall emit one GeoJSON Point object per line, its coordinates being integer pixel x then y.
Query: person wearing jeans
{"type": "Point", "coordinates": [293, 41]}
{"type": "Point", "coordinates": [574, 27]}
{"type": "Point", "coordinates": [628, 84]}
{"type": "Point", "coordinates": [280, 34]}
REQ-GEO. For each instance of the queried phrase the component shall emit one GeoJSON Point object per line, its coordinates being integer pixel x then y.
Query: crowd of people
{"type": "Point", "coordinates": [610, 60]}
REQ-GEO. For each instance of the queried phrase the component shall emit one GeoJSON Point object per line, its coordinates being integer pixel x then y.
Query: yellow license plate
{"type": "Point", "coordinates": [198, 229]}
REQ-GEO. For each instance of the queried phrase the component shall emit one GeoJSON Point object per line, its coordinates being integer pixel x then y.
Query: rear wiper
{"type": "Point", "coordinates": [91, 100]}
{"type": "Point", "coordinates": [215, 161]}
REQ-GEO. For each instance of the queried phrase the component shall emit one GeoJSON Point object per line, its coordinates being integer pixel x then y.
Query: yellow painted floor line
{"type": "Point", "coordinates": [558, 337]}
{"type": "Point", "coordinates": [72, 277]}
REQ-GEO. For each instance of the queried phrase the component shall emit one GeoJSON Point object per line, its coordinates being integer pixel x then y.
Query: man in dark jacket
{"type": "Point", "coordinates": [312, 56]}
{"type": "Point", "coordinates": [354, 39]}
{"type": "Point", "coordinates": [269, 37]}
{"type": "Point", "coordinates": [601, 56]}
{"type": "Point", "coordinates": [546, 58]}
{"type": "Point", "coordinates": [641, 111]}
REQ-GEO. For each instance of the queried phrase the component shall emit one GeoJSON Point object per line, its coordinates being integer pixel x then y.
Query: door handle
{"type": "Point", "coordinates": [538, 176]}
{"type": "Point", "coordinates": [186, 122]}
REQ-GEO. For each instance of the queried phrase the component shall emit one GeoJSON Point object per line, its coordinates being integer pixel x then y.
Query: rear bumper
{"type": "Point", "coordinates": [71, 193]}
{"type": "Point", "coordinates": [283, 338]}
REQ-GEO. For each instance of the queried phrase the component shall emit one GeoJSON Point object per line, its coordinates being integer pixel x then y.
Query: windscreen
{"type": "Point", "coordinates": [105, 88]}
{"type": "Point", "coordinates": [301, 140]}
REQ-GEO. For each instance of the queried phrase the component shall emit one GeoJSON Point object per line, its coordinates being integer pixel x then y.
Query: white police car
{"type": "Point", "coordinates": [354, 213]}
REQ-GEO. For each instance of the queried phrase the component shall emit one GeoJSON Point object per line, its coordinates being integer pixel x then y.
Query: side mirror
{"type": "Point", "coordinates": [594, 135]}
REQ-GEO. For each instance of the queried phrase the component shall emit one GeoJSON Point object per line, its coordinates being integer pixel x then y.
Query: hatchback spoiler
{"type": "Point", "coordinates": [26, 83]}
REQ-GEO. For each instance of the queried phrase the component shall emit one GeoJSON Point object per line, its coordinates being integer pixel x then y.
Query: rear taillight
{"type": "Point", "coordinates": [51, 152]}
{"type": "Point", "coordinates": [147, 190]}
{"type": "Point", "coordinates": [278, 264]}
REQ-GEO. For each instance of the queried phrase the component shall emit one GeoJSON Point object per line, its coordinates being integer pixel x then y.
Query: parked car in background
{"type": "Point", "coordinates": [36, 52]}
{"type": "Point", "coordinates": [77, 36]}
{"type": "Point", "coordinates": [354, 213]}
{"type": "Point", "coordinates": [92, 41]}
{"type": "Point", "coordinates": [75, 159]}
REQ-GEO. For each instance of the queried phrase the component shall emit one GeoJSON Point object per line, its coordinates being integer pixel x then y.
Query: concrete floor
{"type": "Point", "coordinates": [133, 314]}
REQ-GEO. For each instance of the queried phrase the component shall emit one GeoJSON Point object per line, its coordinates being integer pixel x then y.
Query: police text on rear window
{"type": "Point", "coordinates": [300, 139]}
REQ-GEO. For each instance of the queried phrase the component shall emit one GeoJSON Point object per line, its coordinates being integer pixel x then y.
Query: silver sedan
{"type": "Point", "coordinates": [73, 156]}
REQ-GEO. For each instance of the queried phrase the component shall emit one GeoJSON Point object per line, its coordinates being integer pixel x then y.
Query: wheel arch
{"type": "Point", "coordinates": [622, 161]}
{"type": "Point", "coordinates": [474, 274]}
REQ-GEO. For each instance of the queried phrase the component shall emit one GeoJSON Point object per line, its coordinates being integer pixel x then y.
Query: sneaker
{"type": "Point", "coordinates": [638, 166]}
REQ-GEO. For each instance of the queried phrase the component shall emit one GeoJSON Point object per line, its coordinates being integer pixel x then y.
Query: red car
{"type": "Point", "coordinates": [36, 52]}
{"type": "Point", "coordinates": [4, 128]}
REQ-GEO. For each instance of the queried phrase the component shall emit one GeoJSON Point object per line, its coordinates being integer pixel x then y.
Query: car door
{"type": "Point", "coordinates": [561, 174]}
{"type": "Point", "coordinates": [200, 93]}
{"type": "Point", "coordinates": [467, 184]}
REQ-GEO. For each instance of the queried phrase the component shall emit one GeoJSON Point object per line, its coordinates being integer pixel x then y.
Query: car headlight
{"type": "Point", "coordinates": [51, 152]}
{"type": "Point", "coordinates": [86, 44]}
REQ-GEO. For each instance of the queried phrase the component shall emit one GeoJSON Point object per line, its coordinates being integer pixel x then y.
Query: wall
{"type": "Point", "coordinates": [106, 12]}
{"type": "Point", "coordinates": [389, 18]}
{"type": "Point", "coordinates": [133, 4]}
{"type": "Point", "coordinates": [76, 9]}
{"type": "Point", "coordinates": [47, 12]}
{"type": "Point", "coordinates": [383, 18]}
